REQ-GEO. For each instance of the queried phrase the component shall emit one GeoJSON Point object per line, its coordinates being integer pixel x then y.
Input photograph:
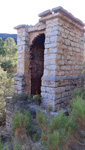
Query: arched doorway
{"type": "Point", "coordinates": [37, 63]}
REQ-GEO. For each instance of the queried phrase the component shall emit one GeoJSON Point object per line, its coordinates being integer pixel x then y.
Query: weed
{"type": "Point", "coordinates": [17, 146]}
{"type": "Point", "coordinates": [21, 120]}
{"type": "Point", "coordinates": [49, 109]}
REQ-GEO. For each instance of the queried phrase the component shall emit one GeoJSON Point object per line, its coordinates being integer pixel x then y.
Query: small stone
{"type": "Point", "coordinates": [45, 13]}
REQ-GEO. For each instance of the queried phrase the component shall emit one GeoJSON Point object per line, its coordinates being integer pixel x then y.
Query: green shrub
{"type": "Point", "coordinates": [17, 146]}
{"type": "Point", "coordinates": [75, 94]}
{"type": "Point", "coordinates": [56, 132]}
{"type": "Point", "coordinates": [82, 94]}
{"type": "Point", "coordinates": [78, 110]}
{"type": "Point", "coordinates": [1, 145]}
{"type": "Point", "coordinates": [17, 97]}
{"type": "Point", "coordinates": [6, 65]}
{"type": "Point", "coordinates": [41, 119]}
{"type": "Point", "coordinates": [6, 90]}
{"type": "Point", "coordinates": [78, 106]}
{"type": "Point", "coordinates": [21, 120]}
{"type": "Point", "coordinates": [49, 109]}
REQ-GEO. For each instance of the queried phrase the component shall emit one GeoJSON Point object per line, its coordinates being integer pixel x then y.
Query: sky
{"type": "Point", "coordinates": [16, 12]}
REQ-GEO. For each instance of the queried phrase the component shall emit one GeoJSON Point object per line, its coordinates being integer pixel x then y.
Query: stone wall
{"type": "Point", "coordinates": [19, 83]}
{"type": "Point", "coordinates": [63, 56]}
{"type": "Point", "coordinates": [64, 45]}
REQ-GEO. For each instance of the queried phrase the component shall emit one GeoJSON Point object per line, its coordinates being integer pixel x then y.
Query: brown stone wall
{"type": "Point", "coordinates": [70, 47]}
{"type": "Point", "coordinates": [64, 45]}
{"type": "Point", "coordinates": [23, 57]}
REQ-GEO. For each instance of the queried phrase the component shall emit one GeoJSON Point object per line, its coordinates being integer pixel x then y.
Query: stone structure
{"type": "Point", "coordinates": [50, 56]}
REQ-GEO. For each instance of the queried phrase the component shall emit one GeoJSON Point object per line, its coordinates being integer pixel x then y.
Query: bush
{"type": "Point", "coordinates": [6, 64]}
{"type": "Point", "coordinates": [22, 120]}
{"type": "Point", "coordinates": [56, 132]}
{"type": "Point", "coordinates": [78, 108]}
{"type": "Point", "coordinates": [1, 145]}
{"type": "Point", "coordinates": [49, 109]}
{"type": "Point", "coordinates": [6, 89]}
{"type": "Point", "coordinates": [17, 146]}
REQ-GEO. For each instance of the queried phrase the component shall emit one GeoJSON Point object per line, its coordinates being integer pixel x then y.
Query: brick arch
{"type": "Point", "coordinates": [37, 38]}
{"type": "Point", "coordinates": [34, 35]}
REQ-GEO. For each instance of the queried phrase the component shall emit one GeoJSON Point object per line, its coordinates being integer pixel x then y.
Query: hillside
{"type": "Point", "coordinates": [5, 36]}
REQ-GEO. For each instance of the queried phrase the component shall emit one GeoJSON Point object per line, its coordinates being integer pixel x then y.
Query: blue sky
{"type": "Point", "coordinates": [15, 12]}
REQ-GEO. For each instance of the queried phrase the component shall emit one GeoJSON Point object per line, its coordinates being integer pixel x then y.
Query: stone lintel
{"type": "Point", "coordinates": [58, 78]}
{"type": "Point", "coordinates": [45, 13]}
{"type": "Point", "coordinates": [62, 10]}
{"type": "Point", "coordinates": [21, 26]}
{"type": "Point", "coordinates": [55, 13]}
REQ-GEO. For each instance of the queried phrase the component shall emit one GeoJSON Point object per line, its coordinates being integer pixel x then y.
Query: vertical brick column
{"type": "Point", "coordinates": [22, 75]}
{"type": "Point", "coordinates": [50, 67]}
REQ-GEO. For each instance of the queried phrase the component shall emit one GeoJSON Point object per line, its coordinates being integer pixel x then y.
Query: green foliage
{"type": "Point", "coordinates": [6, 64]}
{"type": "Point", "coordinates": [8, 55]}
{"type": "Point", "coordinates": [37, 99]}
{"type": "Point", "coordinates": [41, 119]}
{"type": "Point", "coordinates": [53, 141]}
{"type": "Point", "coordinates": [17, 97]}
{"type": "Point", "coordinates": [17, 146]}
{"type": "Point", "coordinates": [82, 94]}
{"type": "Point", "coordinates": [75, 93]}
{"type": "Point", "coordinates": [56, 132]}
{"type": "Point", "coordinates": [6, 85]}
{"type": "Point", "coordinates": [21, 120]}
{"type": "Point", "coordinates": [78, 105]}
{"type": "Point", "coordinates": [10, 46]}
{"type": "Point", "coordinates": [49, 109]}
{"type": "Point", "coordinates": [2, 48]}
{"type": "Point", "coordinates": [6, 89]}
{"type": "Point", "coordinates": [1, 145]}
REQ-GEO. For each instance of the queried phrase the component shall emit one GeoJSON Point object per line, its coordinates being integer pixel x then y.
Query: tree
{"type": "Point", "coordinates": [10, 46]}
{"type": "Point", "coordinates": [2, 48]}
{"type": "Point", "coordinates": [6, 89]}
{"type": "Point", "coordinates": [9, 60]}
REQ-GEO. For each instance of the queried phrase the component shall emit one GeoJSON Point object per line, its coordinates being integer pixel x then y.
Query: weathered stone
{"type": "Point", "coordinates": [20, 26]}
{"type": "Point", "coordinates": [53, 38]}
{"type": "Point", "coordinates": [59, 66]}
{"type": "Point", "coordinates": [51, 45]}
{"type": "Point", "coordinates": [45, 13]}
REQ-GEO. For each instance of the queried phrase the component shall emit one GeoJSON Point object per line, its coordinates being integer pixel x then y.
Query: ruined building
{"type": "Point", "coordinates": [50, 57]}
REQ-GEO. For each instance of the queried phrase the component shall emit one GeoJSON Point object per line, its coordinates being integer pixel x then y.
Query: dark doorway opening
{"type": "Point", "coordinates": [37, 63]}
